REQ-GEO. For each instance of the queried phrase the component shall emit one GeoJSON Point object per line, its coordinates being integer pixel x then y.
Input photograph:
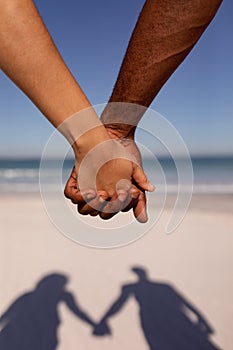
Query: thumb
{"type": "Point", "coordinates": [141, 179]}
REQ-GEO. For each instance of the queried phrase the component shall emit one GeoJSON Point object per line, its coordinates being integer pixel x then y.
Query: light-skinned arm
{"type": "Point", "coordinates": [29, 57]}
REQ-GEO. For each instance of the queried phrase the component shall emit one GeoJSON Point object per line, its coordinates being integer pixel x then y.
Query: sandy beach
{"type": "Point", "coordinates": [193, 266]}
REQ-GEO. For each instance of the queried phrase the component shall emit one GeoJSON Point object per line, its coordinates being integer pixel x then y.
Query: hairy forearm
{"type": "Point", "coordinates": [165, 33]}
{"type": "Point", "coordinates": [29, 57]}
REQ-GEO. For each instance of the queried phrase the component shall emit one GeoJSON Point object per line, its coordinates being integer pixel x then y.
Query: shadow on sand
{"type": "Point", "coordinates": [32, 321]}
{"type": "Point", "coordinates": [168, 320]}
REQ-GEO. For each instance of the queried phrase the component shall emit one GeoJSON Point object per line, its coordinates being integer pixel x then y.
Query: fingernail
{"type": "Point", "coordinates": [143, 217]}
{"type": "Point", "coordinates": [101, 199]}
{"type": "Point", "coordinates": [134, 194]}
{"type": "Point", "coordinates": [150, 187]}
{"type": "Point", "coordinates": [122, 197]}
{"type": "Point", "coordinates": [90, 196]}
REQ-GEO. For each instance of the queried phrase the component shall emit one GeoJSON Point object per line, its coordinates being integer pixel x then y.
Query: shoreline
{"type": "Point", "coordinates": [199, 202]}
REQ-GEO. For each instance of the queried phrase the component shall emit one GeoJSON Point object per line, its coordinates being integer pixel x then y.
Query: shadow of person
{"type": "Point", "coordinates": [32, 321]}
{"type": "Point", "coordinates": [168, 320]}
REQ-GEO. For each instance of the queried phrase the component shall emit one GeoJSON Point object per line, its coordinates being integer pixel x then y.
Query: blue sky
{"type": "Point", "coordinates": [92, 37]}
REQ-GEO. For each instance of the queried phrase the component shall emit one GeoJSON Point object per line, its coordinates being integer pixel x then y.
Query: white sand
{"type": "Point", "coordinates": [197, 260]}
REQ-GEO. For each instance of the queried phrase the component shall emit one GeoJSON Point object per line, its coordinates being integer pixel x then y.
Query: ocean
{"type": "Point", "coordinates": [211, 175]}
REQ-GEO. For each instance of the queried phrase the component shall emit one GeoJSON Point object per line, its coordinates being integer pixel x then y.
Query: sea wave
{"type": "Point", "coordinates": [211, 176]}
{"type": "Point", "coordinates": [18, 173]}
{"type": "Point", "coordinates": [50, 187]}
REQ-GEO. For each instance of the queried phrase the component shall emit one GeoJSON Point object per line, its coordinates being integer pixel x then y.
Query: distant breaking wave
{"type": "Point", "coordinates": [211, 176]}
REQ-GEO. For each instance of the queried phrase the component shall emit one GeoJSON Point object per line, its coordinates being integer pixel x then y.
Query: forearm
{"type": "Point", "coordinates": [116, 306]}
{"type": "Point", "coordinates": [85, 318]}
{"type": "Point", "coordinates": [73, 306]}
{"type": "Point", "coordinates": [29, 57]}
{"type": "Point", "coordinates": [165, 33]}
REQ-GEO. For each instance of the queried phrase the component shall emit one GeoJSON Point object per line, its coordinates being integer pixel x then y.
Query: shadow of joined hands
{"type": "Point", "coordinates": [31, 322]}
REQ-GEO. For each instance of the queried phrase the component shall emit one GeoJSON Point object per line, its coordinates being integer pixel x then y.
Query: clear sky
{"type": "Point", "coordinates": [92, 37]}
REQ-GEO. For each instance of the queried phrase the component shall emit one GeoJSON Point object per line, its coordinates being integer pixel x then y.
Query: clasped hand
{"type": "Point", "coordinates": [108, 177]}
{"type": "Point", "coordinates": [101, 329]}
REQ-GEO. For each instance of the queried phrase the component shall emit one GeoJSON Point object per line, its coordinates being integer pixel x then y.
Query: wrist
{"type": "Point", "coordinates": [120, 131]}
{"type": "Point", "coordinates": [121, 119]}
{"type": "Point", "coordinates": [83, 130]}
{"type": "Point", "coordinates": [89, 140]}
